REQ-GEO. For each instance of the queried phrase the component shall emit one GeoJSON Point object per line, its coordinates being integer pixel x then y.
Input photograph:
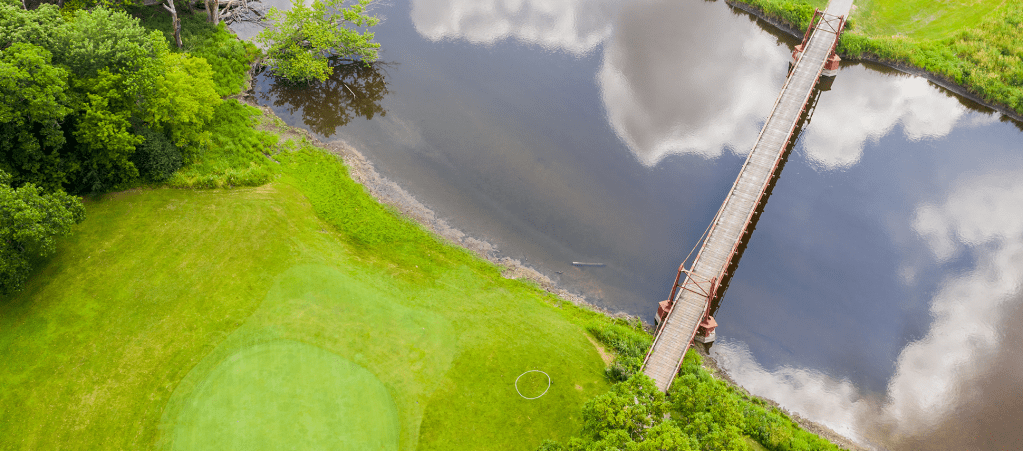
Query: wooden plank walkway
{"type": "Point", "coordinates": [731, 223]}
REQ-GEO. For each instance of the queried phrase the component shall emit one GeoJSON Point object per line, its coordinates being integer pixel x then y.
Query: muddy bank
{"type": "Point", "coordinates": [940, 80]}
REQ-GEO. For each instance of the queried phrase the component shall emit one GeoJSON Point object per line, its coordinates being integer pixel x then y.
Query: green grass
{"type": "Point", "coordinates": [227, 55]}
{"type": "Point", "coordinates": [976, 44]}
{"type": "Point", "coordinates": [239, 155]}
{"type": "Point", "coordinates": [923, 19]}
{"type": "Point", "coordinates": [255, 399]}
{"type": "Point", "coordinates": [163, 297]}
{"type": "Point", "coordinates": [986, 58]}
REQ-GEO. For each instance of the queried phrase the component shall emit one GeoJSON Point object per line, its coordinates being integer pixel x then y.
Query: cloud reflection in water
{"type": "Point", "coordinates": [858, 109]}
{"type": "Point", "coordinates": [575, 26]}
{"type": "Point", "coordinates": [934, 374]}
{"type": "Point", "coordinates": [664, 98]}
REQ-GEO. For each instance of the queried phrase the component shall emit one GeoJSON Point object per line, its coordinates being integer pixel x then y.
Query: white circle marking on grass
{"type": "Point", "coordinates": [532, 371]}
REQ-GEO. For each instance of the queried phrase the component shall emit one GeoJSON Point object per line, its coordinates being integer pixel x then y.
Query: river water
{"type": "Point", "coordinates": [880, 293]}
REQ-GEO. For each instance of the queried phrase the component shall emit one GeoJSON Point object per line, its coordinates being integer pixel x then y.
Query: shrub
{"type": "Point", "coordinates": [156, 157]}
{"type": "Point", "coordinates": [228, 56]}
{"type": "Point", "coordinates": [29, 221]}
{"type": "Point", "coordinates": [628, 341]}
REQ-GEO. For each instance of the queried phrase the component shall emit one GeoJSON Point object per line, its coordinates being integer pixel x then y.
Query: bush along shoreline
{"type": "Point", "coordinates": [983, 63]}
{"type": "Point", "coordinates": [699, 412]}
{"type": "Point", "coordinates": [238, 145]}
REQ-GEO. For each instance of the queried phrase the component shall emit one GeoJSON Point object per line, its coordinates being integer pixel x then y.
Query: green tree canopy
{"type": "Point", "coordinates": [301, 42]}
{"type": "Point", "coordinates": [33, 105]}
{"type": "Point", "coordinates": [80, 97]}
{"type": "Point", "coordinates": [29, 223]}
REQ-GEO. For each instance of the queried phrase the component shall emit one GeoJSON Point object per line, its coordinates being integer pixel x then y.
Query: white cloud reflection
{"type": "Point", "coordinates": [933, 375]}
{"type": "Point", "coordinates": [860, 109]}
{"type": "Point", "coordinates": [664, 95]}
{"type": "Point", "coordinates": [836, 404]}
{"type": "Point", "coordinates": [576, 26]}
{"type": "Point", "coordinates": [983, 214]}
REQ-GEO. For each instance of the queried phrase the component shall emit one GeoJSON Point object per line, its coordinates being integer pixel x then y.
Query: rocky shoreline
{"type": "Point", "coordinates": [387, 192]}
{"type": "Point", "coordinates": [390, 193]}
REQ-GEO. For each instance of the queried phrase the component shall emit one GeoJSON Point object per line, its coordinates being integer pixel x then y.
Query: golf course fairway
{"type": "Point", "coordinates": [288, 395]}
{"type": "Point", "coordinates": [301, 314]}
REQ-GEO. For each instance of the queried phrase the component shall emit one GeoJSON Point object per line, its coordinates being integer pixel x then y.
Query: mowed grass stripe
{"type": "Point", "coordinates": [922, 19]}
{"type": "Point", "coordinates": [114, 338]}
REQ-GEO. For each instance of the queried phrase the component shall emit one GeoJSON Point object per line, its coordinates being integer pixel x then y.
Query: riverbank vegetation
{"type": "Point", "coordinates": [166, 318]}
{"type": "Point", "coordinates": [699, 412]}
{"type": "Point", "coordinates": [977, 45]}
{"type": "Point", "coordinates": [301, 43]}
{"type": "Point", "coordinates": [129, 336]}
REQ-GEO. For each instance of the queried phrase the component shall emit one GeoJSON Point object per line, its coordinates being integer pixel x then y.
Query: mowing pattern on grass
{"type": "Point", "coordinates": [922, 19]}
{"type": "Point", "coordinates": [121, 340]}
{"type": "Point", "coordinates": [288, 395]}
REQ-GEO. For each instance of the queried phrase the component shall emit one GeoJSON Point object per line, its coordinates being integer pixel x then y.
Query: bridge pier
{"type": "Point", "coordinates": [686, 316]}
{"type": "Point", "coordinates": [705, 333]}
{"type": "Point", "coordinates": [831, 66]}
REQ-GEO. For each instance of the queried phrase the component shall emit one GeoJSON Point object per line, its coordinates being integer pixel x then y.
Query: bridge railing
{"type": "Point", "coordinates": [709, 286]}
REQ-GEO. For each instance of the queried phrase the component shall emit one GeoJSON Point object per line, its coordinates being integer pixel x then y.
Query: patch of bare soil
{"type": "Point", "coordinates": [606, 356]}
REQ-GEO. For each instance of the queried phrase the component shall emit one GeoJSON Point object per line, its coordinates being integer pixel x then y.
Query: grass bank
{"type": "Point", "coordinates": [976, 45]}
{"type": "Point", "coordinates": [281, 306]}
{"type": "Point", "coordinates": [164, 295]}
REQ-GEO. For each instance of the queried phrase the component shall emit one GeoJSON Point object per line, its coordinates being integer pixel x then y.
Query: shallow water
{"type": "Point", "coordinates": [876, 292]}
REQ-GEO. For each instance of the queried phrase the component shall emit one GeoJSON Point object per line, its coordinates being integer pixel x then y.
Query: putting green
{"type": "Point", "coordinates": [287, 395]}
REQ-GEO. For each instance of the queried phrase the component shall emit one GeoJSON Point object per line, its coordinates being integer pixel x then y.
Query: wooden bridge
{"type": "Point", "coordinates": [699, 285]}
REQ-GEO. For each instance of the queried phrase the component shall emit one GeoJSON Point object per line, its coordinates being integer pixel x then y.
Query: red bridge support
{"type": "Point", "coordinates": [832, 63]}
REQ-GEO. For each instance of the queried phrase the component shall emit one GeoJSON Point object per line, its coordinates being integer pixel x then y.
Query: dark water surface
{"type": "Point", "coordinates": [880, 292]}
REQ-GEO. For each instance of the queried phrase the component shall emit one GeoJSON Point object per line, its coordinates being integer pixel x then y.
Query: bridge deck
{"type": "Point", "coordinates": [732, 220]}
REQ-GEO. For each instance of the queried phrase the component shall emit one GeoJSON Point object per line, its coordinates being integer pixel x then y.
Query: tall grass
{"type": "Point", "coordinates": [229, 56]}
{"type": "Point", "coordinates": [240, 155]}
{"type": "Point", "coordinates": [629, 343]}
{"type": "Point", "coordinates": [988, 59]}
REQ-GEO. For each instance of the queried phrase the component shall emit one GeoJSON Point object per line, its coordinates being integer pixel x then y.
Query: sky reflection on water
{"type": "Point", "coordinates": [879, 290]}
{"type": "Point", "coordinates": [575, 26]}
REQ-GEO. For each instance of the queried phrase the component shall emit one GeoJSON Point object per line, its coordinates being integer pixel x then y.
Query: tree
{"type": "Point", "coordinates": [29, 223]}
{"type": "Point", "coordinates": [33, 105]}
{"type": "Point", "coordinates": [175, 22]}
{"type": "Point", "coordinates": [633, 416]}
{"type": "Point", "coordinates": [301, 42]}
{"type": "Point", "coordinates": [77, 96]}
{"type": "Point", "coordinates": [34, 26]}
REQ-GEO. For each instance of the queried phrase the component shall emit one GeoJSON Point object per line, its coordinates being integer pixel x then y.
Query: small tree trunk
{"type": "Point", "coordinates": [213, 11]}
{"type": "Point", "coordinates": [169, 6]}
